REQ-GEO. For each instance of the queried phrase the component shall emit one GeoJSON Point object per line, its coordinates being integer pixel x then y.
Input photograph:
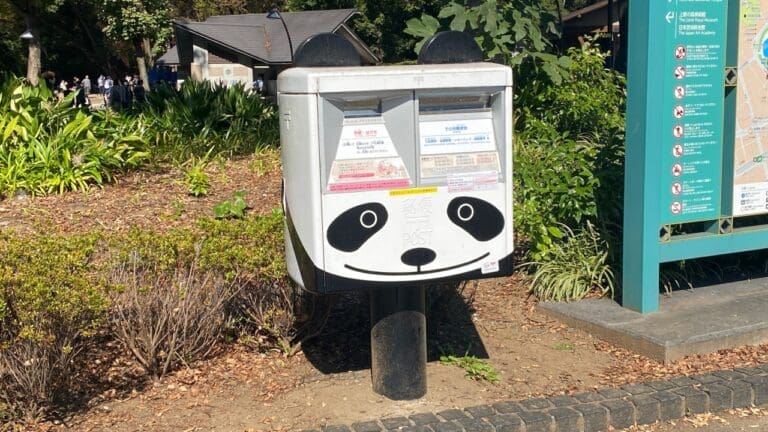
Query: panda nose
{"type": "Point", "coordinates": [418, 257]}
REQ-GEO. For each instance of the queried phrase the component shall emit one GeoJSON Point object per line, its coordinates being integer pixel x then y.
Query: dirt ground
{"type": "Point", "coordinates": [328, 381]}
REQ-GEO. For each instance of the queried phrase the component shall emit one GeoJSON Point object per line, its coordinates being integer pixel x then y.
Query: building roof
{"type": "Point", "coordinates": [170, 58]}
{"type": "Point", "coordinates": [261, 38]}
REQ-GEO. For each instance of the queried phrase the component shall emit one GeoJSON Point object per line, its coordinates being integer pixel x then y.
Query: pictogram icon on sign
{"type": "Point", "coordinates": [677, 188]}
{"type": "Point", "coordinates": [679, 92]}
{"type": "Point", "coordinates": [677, 150]}
{"type": "Point", "coordinates": [680, 72]}
{"type": "Point", "coordinates": [679, 112]}
{"type": "Point", "coordinates": [678, 131]}
{"type": "Point", "coordinates": [680, 52]}
{"type": "Point", "coordinates": [676, 207]}
{"type": "Point", "coordinates": [677, 170]}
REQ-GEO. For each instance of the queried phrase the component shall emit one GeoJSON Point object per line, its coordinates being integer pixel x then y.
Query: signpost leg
{"type": "Point", "coordinates": [640, 288]}
{"type": "Point", "coordinates": [399, 342]}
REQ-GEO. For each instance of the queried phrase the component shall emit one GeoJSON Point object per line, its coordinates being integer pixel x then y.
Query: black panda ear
{"type": "Point", "coordinates": [479, 218]}
{"type": "Point", "coordinates": [351, 229]}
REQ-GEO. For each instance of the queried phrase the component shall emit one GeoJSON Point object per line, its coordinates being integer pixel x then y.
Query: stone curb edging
{"type": "Point", "coordinates": [597, 411]}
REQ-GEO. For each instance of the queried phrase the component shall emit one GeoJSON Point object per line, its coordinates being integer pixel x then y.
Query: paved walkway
{"type": "Point", "coordinates": [618, 408]}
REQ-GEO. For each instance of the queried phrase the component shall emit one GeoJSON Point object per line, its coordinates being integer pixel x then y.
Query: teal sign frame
{"type": "Point", "coordinates": [681, 124]}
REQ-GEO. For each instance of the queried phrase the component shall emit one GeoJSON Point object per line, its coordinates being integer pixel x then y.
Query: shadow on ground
{"type": "Point", "coordinates": [344, 344]}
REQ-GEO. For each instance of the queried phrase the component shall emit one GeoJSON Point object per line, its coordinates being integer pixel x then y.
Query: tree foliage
{"type": "Point", "coordinates": [512, 32]}
{"type": "Point", "coordinates": [130, 19]}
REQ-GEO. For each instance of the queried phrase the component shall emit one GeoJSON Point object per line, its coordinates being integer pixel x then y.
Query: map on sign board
{"type": "Point", "coordinates": [750, 195]}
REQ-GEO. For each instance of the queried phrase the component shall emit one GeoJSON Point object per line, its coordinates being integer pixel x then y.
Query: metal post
{"type": "Point", "coordinates": [399, 342]}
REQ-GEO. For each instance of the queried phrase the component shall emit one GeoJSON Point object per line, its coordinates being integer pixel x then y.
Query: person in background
{"type": "Point", "coordinates": [86, 85]}
{"type": "Point", "coordinates": [138, 92]}
{"type": "Point", "coordinates": [100, 82]}
{"type": "Point", "coordinates": [107, 87]}
{"type": "Point", "coordinates": [258, 85]}
{"type": "Point", "coordinates": [81, 99]}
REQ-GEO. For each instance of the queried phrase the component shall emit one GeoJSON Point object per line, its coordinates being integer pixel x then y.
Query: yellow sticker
{"type": "Point", "coordinates": [415, 191]}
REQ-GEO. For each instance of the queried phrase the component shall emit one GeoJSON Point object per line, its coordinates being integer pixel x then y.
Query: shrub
{"type": "Point", "coordinates": [169, 318]}
{"type": "Point", "coordinates": [248, 249]}
{"type": "Point", "coordinates": [575, 266]}
{"type": "Point", "coordinates": [591, 100]}
{"type": "Point", "coordinates": [569, 152]}
{"type": "Point", "coordinates": [51, 147]}
{"type": "Point", "coordinates": [555, 184]}
{"type": "Point", "coordinates": [199, 118]}
{"type": "Point", "coordinates": [49, 306]}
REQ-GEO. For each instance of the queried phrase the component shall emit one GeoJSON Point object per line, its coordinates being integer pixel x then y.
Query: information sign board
{"type": "Point", "coordinates": [697, 136]}
{"type": "Point", "coordinates": [691, 156]}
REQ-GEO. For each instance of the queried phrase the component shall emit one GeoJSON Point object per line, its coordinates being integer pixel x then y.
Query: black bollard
{"type": "Point", "coordinates": [399, 342]}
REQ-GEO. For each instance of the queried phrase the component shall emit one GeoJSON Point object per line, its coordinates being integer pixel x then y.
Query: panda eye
{"type": "Point", "coordinates": [368, 219]}
{"type": "Point", "coordinates": [465, 212]}
{"type": "Point", "coordinates": [479, 218]}
{"type": "Point", "coordinates": [351, 229]}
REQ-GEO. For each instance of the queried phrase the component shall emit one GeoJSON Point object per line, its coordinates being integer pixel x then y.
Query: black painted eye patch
{"type": "Point", "coordinates": [351, 229]}
{"type": "Point", "coordinates": [479, 218]}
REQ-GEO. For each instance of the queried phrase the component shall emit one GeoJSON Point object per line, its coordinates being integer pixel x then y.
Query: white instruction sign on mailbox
{"type": "Point", "coordinates": [441, 165]}
{"type": "Point", "coordinates": [368, 174]}
{"type": "Point", "coordinates": [364, 141]}
{"type": "Point", "coordinates": [456, 136]}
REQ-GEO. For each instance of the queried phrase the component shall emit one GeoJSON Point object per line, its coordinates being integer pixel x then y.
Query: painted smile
{"type": "Point", "coordinates": [417, 272]}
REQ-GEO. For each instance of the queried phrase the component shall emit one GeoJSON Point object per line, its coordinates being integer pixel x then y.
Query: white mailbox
{"type": "Point", "coordinates": [396, 175]}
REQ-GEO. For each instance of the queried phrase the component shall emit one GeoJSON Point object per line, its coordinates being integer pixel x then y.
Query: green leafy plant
{"type": "Point", "coordinates": [50, 147]}
{"type": "Point", "coordinates": [569, 150]}
{"type": "Point", "coordinates": [50, 306]}
{"type": "Point", "coordinates": [196, 178]}
{"type": "Point", "coordinates": [231, 209]}
{"type": "Point", "coordinates": [564, 346]}
{"type": "Point", "coordinates": [576, 265]}
{"type": "Point", "coordinates": [199, 117]}
{"type": "Point", "coordinates": [474, 367]}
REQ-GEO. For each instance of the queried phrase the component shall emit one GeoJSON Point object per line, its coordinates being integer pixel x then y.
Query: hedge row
{"type": "Point", "coordinates": [168, 298]}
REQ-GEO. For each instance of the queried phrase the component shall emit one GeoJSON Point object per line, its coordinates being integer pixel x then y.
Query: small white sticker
{"type": "Point", "coordinates": [490, 267]}
{"type": "Point", "coordinates": [473, 181]}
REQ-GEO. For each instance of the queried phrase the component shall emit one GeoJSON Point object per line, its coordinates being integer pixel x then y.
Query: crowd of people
{"type": "Point", "coordinates": [117, 94]}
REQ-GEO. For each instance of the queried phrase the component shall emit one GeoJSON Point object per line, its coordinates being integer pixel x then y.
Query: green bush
{"type": "Point", "coordinates": [590, 101]}
{"type": "Point", "coordinates": [51, 147]}
{"type": "Point", "coordinates": [50, 303]}
{"type": "Point", "coordinates": [555, 184]}
{"type": "Point", "coordinates": [569, 149]}
{"type": "Point", "coordinates": [577, 264]}
{"type": "Point", "coordinates": [55, 294]}
{"type": "Point", "coordinates": [200, 118]}
{"type": "Point", "coordinates": [48, 146]}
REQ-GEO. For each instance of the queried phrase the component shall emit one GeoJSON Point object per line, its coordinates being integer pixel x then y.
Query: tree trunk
{"type": "Point", "coordinates": [141, 62]}
{"type": "Point", "coordinates": [33, 56]}
{"type": "Point", "coordinates": [146, 45]}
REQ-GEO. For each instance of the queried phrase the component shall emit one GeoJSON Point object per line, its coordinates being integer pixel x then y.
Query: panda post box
{"type": "Point", "coordinates": [396, 175]}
